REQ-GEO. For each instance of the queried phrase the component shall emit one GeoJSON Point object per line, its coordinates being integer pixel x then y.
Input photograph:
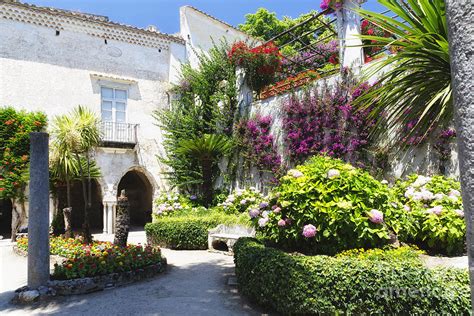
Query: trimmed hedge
{"type": "Point", "coordinates": [187, 233]}
{"type": "Point", "coordinates": [297, 284]}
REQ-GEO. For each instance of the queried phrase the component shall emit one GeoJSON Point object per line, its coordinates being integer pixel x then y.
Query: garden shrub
{"type": "Point", "coordinates": [326, 206]}
{"type": "Point", "coordinates": [188, 231]}
{"type": "Point", "coordinates": [98, 258]}
{"type": "Point", "coordinates": [241, 200]}
{"type": "Point", "coordinates": [357, 285]}
{"type": "Point", "coordinates": [434, 206]}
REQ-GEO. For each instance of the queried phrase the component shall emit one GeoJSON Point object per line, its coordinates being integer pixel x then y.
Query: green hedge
{"type": "Point", "coordinates": [296, 284]}
{"type": "Point", "coordinates": [187, 232]}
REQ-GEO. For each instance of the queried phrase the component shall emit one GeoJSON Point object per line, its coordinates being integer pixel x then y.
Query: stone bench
{"type": "Point", "coordinates": [223, 237]}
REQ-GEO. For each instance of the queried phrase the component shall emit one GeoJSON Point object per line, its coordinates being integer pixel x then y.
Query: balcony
{"type": "Point", "coordinates": [118, 135]}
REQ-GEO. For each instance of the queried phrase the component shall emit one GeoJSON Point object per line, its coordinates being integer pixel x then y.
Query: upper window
{"type": "Point", "coordinates": [114, 105]}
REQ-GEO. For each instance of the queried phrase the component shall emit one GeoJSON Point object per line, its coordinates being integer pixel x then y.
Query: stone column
{"type": "Point", "coordinates": [348, 28]}
{"type": "Point", "coordinates": [460, 15]}
{"type": "Point", "coordinates": [104, 218]}
{"type": "Point", "coordinates": [38, 220]}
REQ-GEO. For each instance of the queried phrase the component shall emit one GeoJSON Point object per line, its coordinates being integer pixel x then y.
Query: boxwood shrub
{"type": "Point", "coordinates": [188, 232]}
{"type": "Point", "coordinates": [347, 284]}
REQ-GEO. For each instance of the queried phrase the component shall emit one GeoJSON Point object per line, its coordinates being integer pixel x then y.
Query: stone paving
{"type": "Point", "coordinates": [196, 283]}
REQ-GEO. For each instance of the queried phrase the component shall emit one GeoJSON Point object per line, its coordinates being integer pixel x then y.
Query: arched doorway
{"type": "Point", "coordinates": [140, 196]}
{"type": "Point", "coordinates": [5, 218]}
{"type": "Point", "coordinates": [77, 201]}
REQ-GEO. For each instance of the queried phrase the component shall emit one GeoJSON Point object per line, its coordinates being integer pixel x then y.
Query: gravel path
{"type": "Point", "coordinates": [196, 283]}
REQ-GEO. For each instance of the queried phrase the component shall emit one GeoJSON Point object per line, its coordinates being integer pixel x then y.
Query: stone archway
{"type": "Point", "coordinates": [140, 196]}
{"type": "Point", "coordinates": [77, 201]}
{"type": "Point", "coordinates": [6, 218]}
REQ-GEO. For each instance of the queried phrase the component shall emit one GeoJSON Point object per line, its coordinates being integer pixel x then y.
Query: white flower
{"type": "Point", "coordinates": [437, 210]}
{"type": "Point", "coordinates": [230, 198]}
{"type": "Point", "coordinates": [243, 202]}
{"type": "Point", "coordinates": [439, 196]}
{"type": "Point", "coordinates": [262, 221]}
{"type": "Point", "coordinates": [252, 199]}
{"type": "Point", "coordinates": [333, 173]}
{"type": "Point", "coordinates": [384, 181]}
{"type": "Point", "coordinates": [426, 195]}
{"type": "Point", "coordinates": [265, 214]}
{"type": "Point", "coordinates": [409, 192]}
{"type": "Point", "coordinates": [295, 173]}
{"type": "Point", "coordinates": [454, 193]}
{"type": "Point", "coordinates": [459, 212]}
{"type": "Point", "coordinates": [177, 206]}
{"type": "Point", "coordinates": [407, 208]}
{"type": "Point", "coordinates": [421, 181]}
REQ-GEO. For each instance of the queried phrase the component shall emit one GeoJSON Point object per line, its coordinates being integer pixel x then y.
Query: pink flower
{"type": "Point", "coordinates": [254, 213]}
{"type": "Point", "coordinates": [437, 210]}
{"type": "Point", "coordinates": [309, 231]}
{"type": "Point", "coordinates": [281, 223]}
{"type": "Point", "coordinates": [459, 212]}
{"type": "Point", "coordinates": [277, 210]}
{"type": "Point", "coordinates": [262, 221]}
{"type": "Point", "coordinates": [376, 217]}
{"type": "Point", "coordinates": [295, 173]}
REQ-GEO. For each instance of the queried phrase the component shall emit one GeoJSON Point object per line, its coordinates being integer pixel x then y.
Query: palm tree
{"type": "Point", "coordinates": [76, 135]}
{"type": "Point", "coordinates": [207, 150]}
{"type": "Point", "coordinates": [414, 88]}
{"type": "Point", "coordinates": [459, 18]}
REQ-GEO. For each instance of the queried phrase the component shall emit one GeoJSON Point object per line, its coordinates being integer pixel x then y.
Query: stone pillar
{"type": "Point", "coordinates": [460, 15]}
{"type": "Point", "coordinates": [110, 216]}
{"type": "Point", "coordinates": [38, 220]}
{"type": "Point", "coordinates": [104, 218]}
{"type": "Point", "coordinates": [348, 28]}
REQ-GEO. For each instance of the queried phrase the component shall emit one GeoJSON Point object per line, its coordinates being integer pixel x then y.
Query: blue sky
{"type": "Point", "coordinates": [164, 13]}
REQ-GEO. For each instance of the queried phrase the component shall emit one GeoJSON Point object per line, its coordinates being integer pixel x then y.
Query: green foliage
{"type": "Point", "coordinates": [415, 84]}
{"type": "Point", "coordinates": [264, 25]}
{"type": "Point", "coordinates": [15, 128]}
{"type": "Point", "coordinates": [347, 206]}
{"type": "Point", "coordinates": [190, 230]}
{"type": "Point", "coordinates": [206, 104]}
{"type": "Point", "coordinates": [392, 284]}
{"type": "Point", "coordinates": [434, 206]}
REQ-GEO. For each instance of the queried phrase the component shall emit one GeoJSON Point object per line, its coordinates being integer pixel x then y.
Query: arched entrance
{"type": "Point", "coordinates": [77, 201]}
{"type": "Point", "coordinates": [140, 196]}
{"type": "Point", "coordinates": [5, 218]}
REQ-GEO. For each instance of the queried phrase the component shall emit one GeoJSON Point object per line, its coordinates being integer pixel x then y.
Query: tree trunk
{"type": "Point", "coordinates": [122, 221]}
{"type": "Point", "coordinates": [86, 234]}
{"type": "Point", "coordinates": [207, 189]}
{"type": "Point", "coordinates": [67, 213]}
{"type": "Point", "coordinates": [18, 217]}
{"type": "Point", "coordinates": [460, 15]}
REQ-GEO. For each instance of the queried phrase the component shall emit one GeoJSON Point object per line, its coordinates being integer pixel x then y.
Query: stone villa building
{"type": "Point", "coordinates": [52, 60]}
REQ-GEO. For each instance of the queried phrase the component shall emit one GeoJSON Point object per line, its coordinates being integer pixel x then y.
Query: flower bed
{"type": "Point", "coordinates": [188, 231]}
{"type": "Point", "coordinates": [98, 258]}
{"type": "Point", "coordinates": [383, 283]}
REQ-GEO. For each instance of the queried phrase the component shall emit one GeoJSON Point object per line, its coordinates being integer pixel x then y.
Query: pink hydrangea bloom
{"type": "Point", "coordinates": [309, 231]}
{"type": "Point", "coordinates": [254, 213]}
{"type": "Point", "coordinates": [437, 210]}
{"type": "Point", "coordinates": [277, 210]}
{"type": "Point", "coordinates": [281, 223]}
{"type": "Point", "coordinates": [295, 173]}
{"type": "Point", "coordinates": [459, 212]}
{"type": "Point", "coordinates": [376, 217]}
{"type": "Point", "coordinates": [262, 221]}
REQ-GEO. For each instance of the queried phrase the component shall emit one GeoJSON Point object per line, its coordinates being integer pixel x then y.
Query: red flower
{"type": "Point", "coordinates": [370, 32]}
{"type": "Point", "coordinates": [2, 189]}
{"type": "Point", "coordinates": [333, 59]}
{"type": "Point", "coordinates": [365, 23]}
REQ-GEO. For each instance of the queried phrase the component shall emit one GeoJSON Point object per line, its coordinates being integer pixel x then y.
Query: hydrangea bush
{"type": "Point", "coordinates": [168, 203]}
{"type": "Point", "coordinates": [434, 205]}
{"type": "Point", "coordinates": [242, 200]}
{"type": "Point", "coordinates": [326, 205]}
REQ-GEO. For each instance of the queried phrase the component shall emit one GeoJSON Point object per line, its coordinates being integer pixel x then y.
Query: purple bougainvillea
{"type": "Point", "coordinates": [257, 143]}
{"type": "Point", "coordinates": [326, 122]}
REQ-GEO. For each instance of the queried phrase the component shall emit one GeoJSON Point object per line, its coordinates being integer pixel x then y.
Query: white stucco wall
{"type": "Point", "coordinates": [40, 71]}
{"type": "Point", "coordinates": [201, 32]}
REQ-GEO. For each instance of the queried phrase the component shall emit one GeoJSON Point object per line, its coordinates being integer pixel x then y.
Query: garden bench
{"type": "Point", "coordinates": [223, 237]}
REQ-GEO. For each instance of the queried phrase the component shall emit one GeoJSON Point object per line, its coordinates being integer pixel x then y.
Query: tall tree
{"type": "Point", "coordinates": [77, 134]}
{"type": "Point", "coordinates": [206, 150]}
{"type": "Point", "coordinates": [460, 17]}
{"type": "Point", "coordinates": [15, 127]}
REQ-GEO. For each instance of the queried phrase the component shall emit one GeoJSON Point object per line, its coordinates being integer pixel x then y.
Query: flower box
{"type": "Point", "coordinates": [288, 84]}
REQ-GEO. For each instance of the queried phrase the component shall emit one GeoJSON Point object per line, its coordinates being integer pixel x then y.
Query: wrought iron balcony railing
{"type": "Point", "coordinates": [118, 133]}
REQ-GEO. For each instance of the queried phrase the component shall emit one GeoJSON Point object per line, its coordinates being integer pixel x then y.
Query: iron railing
{"type": "Point", "coordinates": [114, 132]}
{"type": "Point", "coordinates": [311, 44]}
